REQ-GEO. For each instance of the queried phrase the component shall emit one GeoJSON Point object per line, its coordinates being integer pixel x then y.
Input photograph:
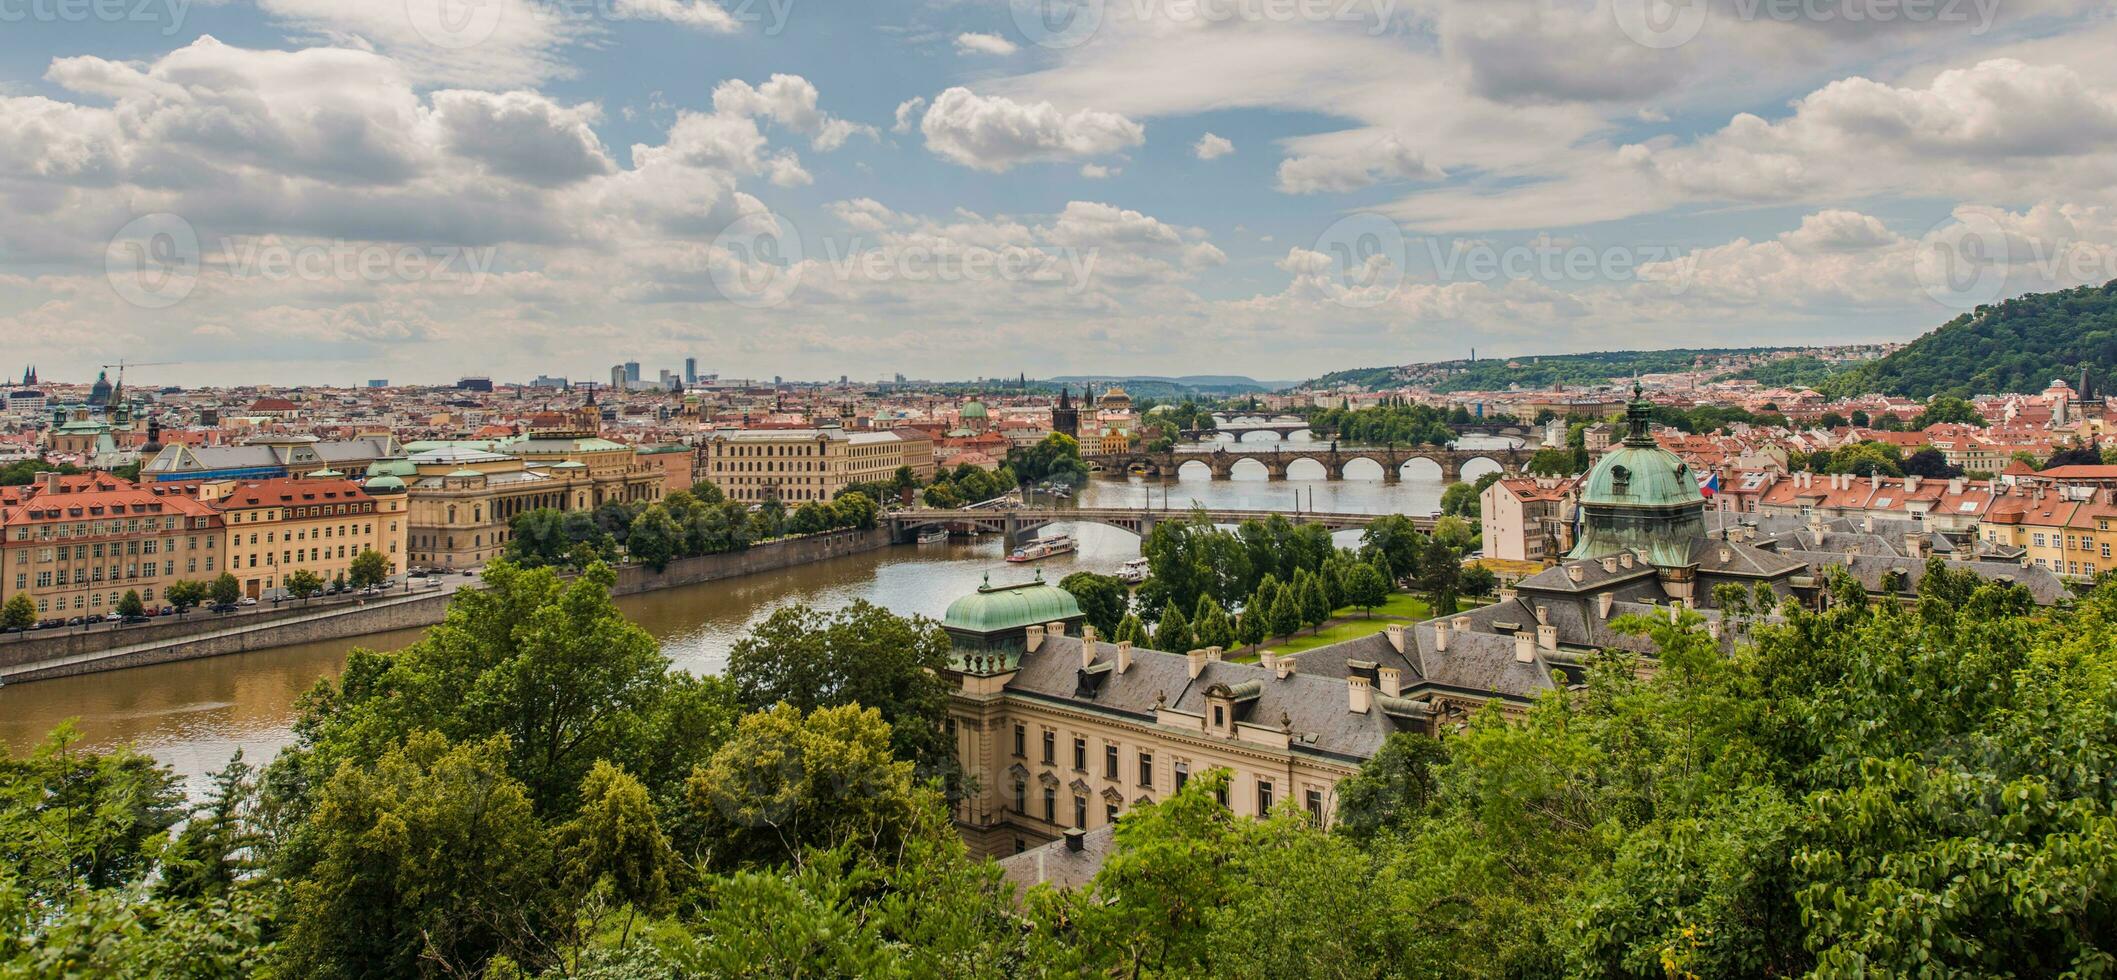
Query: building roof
{"type": "Point", "coordinates": [1001, 608]}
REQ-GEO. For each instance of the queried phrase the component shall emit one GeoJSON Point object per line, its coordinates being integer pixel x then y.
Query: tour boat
{"type": "Point", "coordinates": [1132, 572]}
{"type": "Point", "coordinates": [933, 535]}
{"type": "Point", "coordinates": [1041, 548]}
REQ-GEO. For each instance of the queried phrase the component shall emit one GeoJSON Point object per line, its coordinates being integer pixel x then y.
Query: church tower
{"type": "Point", "coordinates": [1064, 417]}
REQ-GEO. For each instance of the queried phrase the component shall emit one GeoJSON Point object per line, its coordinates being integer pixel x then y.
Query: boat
{"type": "Point", "coordinates": [933, 535]}
{"type": "Point", "coordinates": [1042, 548]}
{"type": "Point", "coordinates": [1132, 572]}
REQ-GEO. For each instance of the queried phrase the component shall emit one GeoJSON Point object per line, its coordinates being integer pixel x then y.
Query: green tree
{"type": "Point", "coordinates": [1211, 626]}
{"type": "Point", "coordinates": [1365, 586]}
{"type": "Point", "coordinates": [1460, 500]}
{"type": "Point", "coordinates": [130, 605]}
{"type": "Point", "coordinates": [184, 594]}
{"type": "Point", "coordinates": [1393, 787]}
{"type": "Point", "coordinates": [369, 569]}
{"type": "Point", "coordinates": [1440, 576]}
{"type": "Point", "coordinates": [654, 539]}
{"type": "Point", "coordinates": [302, 583]}
{"type": "Point", "coordinates": [616, 841]}
{"type": "Point", "coordinates": [861, 655]}
{"type": "Point", "coordinates": [1173, 633]}
{"type": "Point", "coordinates": [1552, 462]}
{"type": "Point", "coordinates": [1398, 541]}
{"type": "Point", "coordinates": [1315, 605]}
{"type": "Point", "coordinates": [1866, 459]}
{"type": "Point", "coordinates": [225, 589]}
{"type": "Point", "coordinates": [1131, 630]}
{"type": "Point", "coordinates": [1286, 612]}
{"type": "Point", "coordinates": [1103, 599]}
{"type": "Point", "coordinates": [20, 613]}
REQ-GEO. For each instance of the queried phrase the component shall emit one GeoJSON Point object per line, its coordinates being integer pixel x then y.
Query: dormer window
{"type": "Point", "coordinates": [1620, 480]}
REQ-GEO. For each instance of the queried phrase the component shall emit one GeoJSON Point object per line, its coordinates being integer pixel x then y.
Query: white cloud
{"type": "Point", "coordinates": [996, 133]}
{"type": "Point", "coordinates": [1212, 147]}
{"type": "Point", "coordinates": [789, 100]}
{"type": "Point", "coordinates": [992, 44]}
{"type": "Point", "coordinates": [522, 135]}
{"type": "Point", "coordinates": [907, 111]}
{"type": "Point", "coordinates": [1096, 171]}
{"type": "Point", "coordinates": [1353, 168]}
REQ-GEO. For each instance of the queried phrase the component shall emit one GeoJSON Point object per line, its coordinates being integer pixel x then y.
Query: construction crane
{"type": "Point", "coordinates": [122, 364]}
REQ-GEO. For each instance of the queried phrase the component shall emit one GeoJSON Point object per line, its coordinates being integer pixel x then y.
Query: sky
{"type": "Point", "coordinates": [328, 191]}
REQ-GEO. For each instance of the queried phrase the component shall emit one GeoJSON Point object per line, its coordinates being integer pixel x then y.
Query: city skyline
{"type": "Point", "coordinates": [300, 190]}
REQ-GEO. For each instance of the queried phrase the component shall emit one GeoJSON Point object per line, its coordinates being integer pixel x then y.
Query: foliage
{"type": "Point", "coordinates": [2017, 345]}
{"type": "Point", "coordinates": [129, 604]}
{"type": "Point", "coordinates": [24, 472]}
{"type": "Point", "coordinates": [369, 569]}
{"type": "Point", "coordinates": [1800, 371]}
{"type": "Point", "coordinates": [1367, 586]}
{"type": "Point", "coordinates": [1103, 599]}
{"type": "Point", "coordinates": [1947, 409]}
{"type": "Point", "coordinates": [1392, 425]}
{"type": "Point", "coordinates": [1056, 459]}
{"type": "Point", "coordinates": [19, 613]}
{"type": "Point", "coordinates": [1393, 788]}
{"type": "Point", "coordinates": [225, 589]}
{"type": "Point", "coordinates": [861, 655]}
{"type": "Point", "coordinates": [302, 583]}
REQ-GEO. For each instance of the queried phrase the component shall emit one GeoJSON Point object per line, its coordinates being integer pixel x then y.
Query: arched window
{"type": "Point", "coordinates": [1620, 480]}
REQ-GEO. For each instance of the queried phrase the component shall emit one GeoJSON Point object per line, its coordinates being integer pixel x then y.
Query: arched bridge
{"type": "Point", "coordinates": [1242, 425]}
{"type": "Point", "coordinates": [1019, 522]}
{"type": "Point", "coordinates": [1333, 459]}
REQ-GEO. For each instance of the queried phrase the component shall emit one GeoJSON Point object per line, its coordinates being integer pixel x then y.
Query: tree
{"type": "Point", "coordinates": [2074, 455]}
{"type": "Point", "coordinates": [302, 583]}
{"type": "Point", "coordinates": [1552, 462]}
{"type": "Point", "coordinates": [1103, 599]}
{"type": "Point", "coordinates": [1253, 626]}
{"type": "Point", "coordinates": [1948, 409]}
{"type": "Point", "coordinates": [616, 840]}
{"type": "Point", "coordinates": [1057, 459]}
{"type": "Point", "coordinates": [1440, 576]}
{"type": "Point", "coordinates": [1456, 533]}
{"type": "Point", "coordinates": [1173, 633]}
{"type": "Point", "coordinates": [1460, 500]}
{"type": "Point", "coordinates": [1860, 418]}
{"type": "Point", "coordinates": [1832, 420]}
{"type": "Point", "coordinates": [20, 613]}
{"type": "Point", "coordinates": [226, 589]}
{"type": "Point", "coordinates": [854, 510]}
{"type": "Point", "coordinates": [1315, 605]}
{"type": "Point", "coordinates": [1211, 627]}
{"type": "Point", "coordinates": [184, 594]}
{"type": "Point", "coordinates": [1131, 630]}
{"type": "Point", "coordinates": [369, 569]}
{"type": "Point", "coordinates": [861, 655]}
{"type": "Point", "coordinates": [1365, 586]}
{"type": "Point", "coordinates": [1477, 580]}
{"type": "Point", "coordinates": [1391, 788]}
{"type": "Point", "coordinates": [654, 538]}
{"type": "Point", "coordinates": [1286, 612]}
{"type": "Point", "coordinates": [129, 604]}
{"type": "Point", "coordinates": [788, 783]}
{"type": "Point", "coordinates": [1932, 463]}
{"type": "Point", "coordinates": [1866, 459]}
{"type": "Point", "coordinates": [1398, 541]}
{"type": "Point", "coordinates": [434, 856]}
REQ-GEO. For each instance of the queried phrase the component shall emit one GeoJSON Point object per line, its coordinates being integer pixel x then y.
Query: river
{"type": "Point", "coordinates": [195, 714]}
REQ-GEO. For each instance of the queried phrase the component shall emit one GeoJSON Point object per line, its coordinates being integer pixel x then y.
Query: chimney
{"type": "Point", "coordinates": [1462, 624]}
{"type": "Point", "coordinates": [1609, 564]}
{"type": "Point", "coordinates": [1088, 649]}
{"type": "Point", "coordinates": [1911, 484]}
{"type": "Point", "coordinates": [1524, 647]}
{"type": "Point", "coordinates": [1547, 636]}
{"type": "Point", "coordinates": [1955, 486]}
{"type": "Point", "coordinates": [1712, 628]}
{"type": "Point", "coordinates": [1543, 613]}
{"type": "Point", "coordinates": [1269, 660]}
{"type": "Point", "coordinates": [1573, 571]}
{"type": "Point", "coordinates": [1124, 656]}
{"type": "Point", "coordinates": [1440, 635]}
{"type": "Point", "coordinates": [1213, 655]}
{"type": "Point", "coordinates": [1914, 545]}
{"type": "Point", "coordinates": [50, 479]}
{"type": "Point", "coordinates": [1055, 628]}
{"type": "Point", "coordinates": [1284, 668]}
{"type": "Point", "coordinates": [1395, 633]}
{"type": "Point", "coordinates": [1675, 610]}
{"type": "Point", "coordinates": [1035, 638]}
{"type": "Point", "coordinates": [1195, 662]}
{"type": "Point", "coordinates": [1075, 837]}
{"type": "Point", "coordinates": [1625, 559]}
{"type": "Point", "coordinates": [1727, 554]}
{"type": "Point", "coordinates": [1604, 603]}
{"type": "Point", "coordinates": [1867, 523]}
{"type": "Point", "coordinates": [1359, 694]}
{"type": "Point", "coordinates": [1392, 681]}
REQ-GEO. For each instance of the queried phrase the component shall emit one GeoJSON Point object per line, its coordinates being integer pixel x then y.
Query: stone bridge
{"type": "Point", "coordinates": [1020, 522]}
{"type": "Point", "coordinates": [1333, 459]}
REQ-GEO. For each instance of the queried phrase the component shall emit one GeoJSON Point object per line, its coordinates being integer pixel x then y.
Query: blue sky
{"type": "Point", "coordinates": [321, 191]}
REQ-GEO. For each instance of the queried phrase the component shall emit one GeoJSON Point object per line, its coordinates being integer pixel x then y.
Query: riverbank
{"type": "Point", "coordinates": [65, 654]}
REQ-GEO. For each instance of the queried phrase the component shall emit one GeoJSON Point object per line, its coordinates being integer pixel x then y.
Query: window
{"type": "Point", "coordinates": [1050, 747]}
{"type": "Point", "coordinates": [1315, 805]}
{"type": "Point", "coordinates": [1220, 795]}
{"type": "Point", "coordinates": [1021, 798]}
{"type": "Point", "coordinates": [1080, 754]}
{"type": "Point", "coordinates": [1109, 762]}
{"type": "Point", "coordinates": [1183, 774]}
{"type": "Point", "coordinates": [1080, 811]}
{"type": "Point", "coordinates": [1050, 805]}
{"type": "Point", "coordinates": [1146, 769]}
{"type": "Point", "coordinates": [1219, 716]}
{"type": "Point", "coordinates": [1264, 797]}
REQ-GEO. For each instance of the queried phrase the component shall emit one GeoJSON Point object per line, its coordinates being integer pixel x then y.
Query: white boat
{"type": "Point", "coordinates": [1132, 572]}
{"type": "Point", "coordinates": [1041, 548]}
{"type": "Point", "coordinates": [934, 535]}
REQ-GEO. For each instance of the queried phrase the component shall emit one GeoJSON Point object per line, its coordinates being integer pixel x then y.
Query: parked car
{"type": "Point", "coordinates": [132, 619]}
{"type": "Point", "coordinates": [223, 607]}
{"type": "Point", "coordinates": [246, 601]}
{"type": "Point", "coordinates": [77, 621]}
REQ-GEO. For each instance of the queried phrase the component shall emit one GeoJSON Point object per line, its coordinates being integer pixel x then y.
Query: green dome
{"type": "Point", "coordinates": [1008, 608]}
{"type": "Point", "coordinates": [1640, 498]}
{"type": "Point", "coordinates": [392, 467]}
{"type": "Point", "coordinates": [384, 484]}
{"type": "Point", "coordinates": [975, 409]}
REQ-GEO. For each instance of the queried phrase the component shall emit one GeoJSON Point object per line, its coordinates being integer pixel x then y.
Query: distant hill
{"type": "Point", "coordinates": [1542, 371]}
{"type": "Point", "coordinates": [2019, 345]}
{"type": "Point", "coordinates": [1161, 387]}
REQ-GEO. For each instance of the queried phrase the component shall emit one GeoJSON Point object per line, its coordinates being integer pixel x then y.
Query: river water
{"type": "Point", "coordinates": [195, 714]}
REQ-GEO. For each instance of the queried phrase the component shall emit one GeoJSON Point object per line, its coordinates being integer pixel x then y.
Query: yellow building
{"type": "Point", "coordinates": [801, 465]}
{"type": "Point", "coordinates": [2035, 521]}
{"type": "Point", "coordinates": [318, 524]}
{"type": "Point", "coordinates": [77, 544]}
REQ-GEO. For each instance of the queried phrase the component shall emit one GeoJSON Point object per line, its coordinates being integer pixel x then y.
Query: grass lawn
{"type": "Point", "coordinates": [1351, 624]}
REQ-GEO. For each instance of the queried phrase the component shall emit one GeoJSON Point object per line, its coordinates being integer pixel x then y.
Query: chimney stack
{"type": "Point", "coordinates": [1035, 638]}
{"type": "Point", "coordinates": [1440, 635]}
{"type": "Point", "coordinates": [1547, 636]}
{"type": "Point", "coordinates": [1524, 647]}
{"type": "Point", "coordinates": [1625, 559]}
{"type": "Point", "coordinates": [1574, 571]}
{"type": "Point", "coordinates": [1543, 613]}
{"type": "Point", "coordinates": [1392, 681]}
{"type": "Point", "coordinates": [1609, 564]}
{"type": "Point", "coordinates": [1462, 624]}
{"type": "Point", "coordinates": [1914, 546]}
{"type": "Point", "coordinates": [1055, 628]}
{"type": "Point", "coordinates": [1359, 694]}
{"type": "Point", "coordinates": [1284, 668]}
{"type": "Point", "coordinates": [1603, 604]}
{"type": "Point", "coordinates": [1124, 656]}
{"type": "Point", "coordinates": [1195, 662]}
{"type": "Point", "coordinates": [1269, 660]}
{"type": "Point", "coordinates": [1075, 838]}
{"type": "Point", "coordinates": [1395, 633]}
{"type": "Point", "coordinates": [1212, 655]}
{"type": "Point", "coordinates": [1088, 649]}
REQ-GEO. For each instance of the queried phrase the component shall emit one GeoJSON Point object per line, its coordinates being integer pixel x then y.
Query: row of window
{"type": "Point", "coordinates": [99, 529]}
{"type": "Point", "coordinates": [1111, 764]}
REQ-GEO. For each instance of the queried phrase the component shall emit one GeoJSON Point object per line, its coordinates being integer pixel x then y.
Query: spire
{"type": "Point", "coordinates": [1639, 417]}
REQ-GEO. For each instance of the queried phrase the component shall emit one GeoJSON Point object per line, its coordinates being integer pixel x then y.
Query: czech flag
{"type": "Point", "coordinates": [1710, 485]}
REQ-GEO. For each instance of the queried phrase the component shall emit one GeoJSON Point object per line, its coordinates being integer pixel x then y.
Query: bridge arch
{"type": "Point", "coordinates": [1249, 469]}
{"type": "Point", "coordinates": [1363, 468]}
{"type": "Point", "coordinates": [1422, 469]}
{"type": "Point", "coordinates": [1307, 468]}
{"type": "Point", "coordinates": [1194, 469]}
{"type": "Point", "coordinates": [1477, 466]}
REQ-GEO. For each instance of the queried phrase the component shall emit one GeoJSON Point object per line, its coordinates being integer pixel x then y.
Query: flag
{"type": "Point", "coordinates": [1710, 485]}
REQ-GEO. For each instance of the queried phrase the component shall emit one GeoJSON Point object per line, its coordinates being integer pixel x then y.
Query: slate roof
{"type": "Point", "coordinates": [1053, 863]}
